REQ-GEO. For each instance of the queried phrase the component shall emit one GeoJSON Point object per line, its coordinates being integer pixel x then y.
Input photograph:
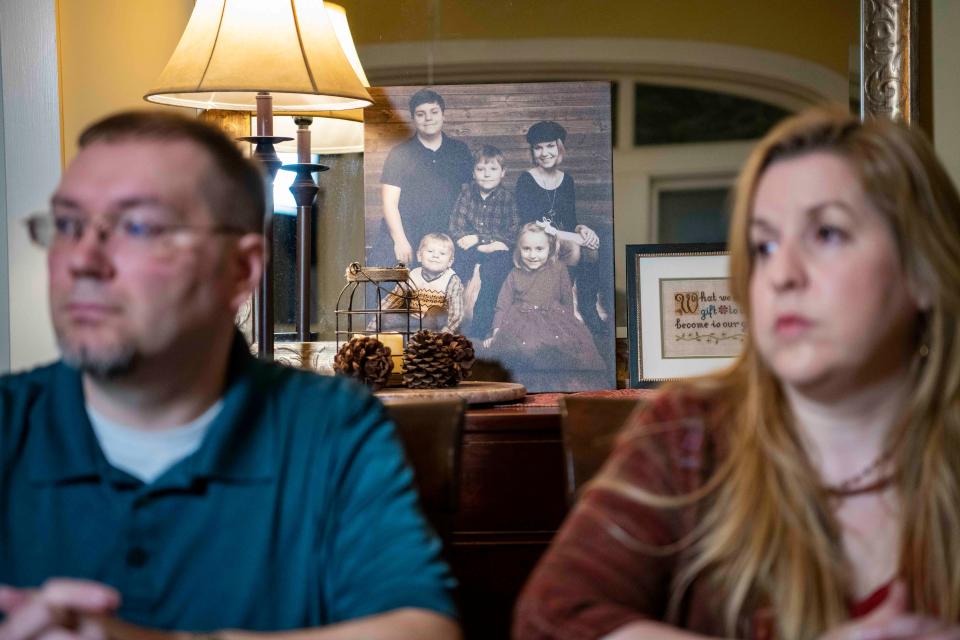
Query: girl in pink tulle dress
{"type": "Point", "coordinates": [536, 332]}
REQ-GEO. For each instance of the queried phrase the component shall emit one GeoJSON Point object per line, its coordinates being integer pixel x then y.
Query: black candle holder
{"type": "Point", "coordinates": [304, 190]}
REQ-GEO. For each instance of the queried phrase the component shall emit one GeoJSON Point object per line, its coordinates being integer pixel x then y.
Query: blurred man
{"type": "Point", "coordinates": [160, 478]}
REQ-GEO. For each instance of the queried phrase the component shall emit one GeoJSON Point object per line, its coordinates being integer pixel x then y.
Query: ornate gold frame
{"type": "Point", "coordinates": [888, 59]}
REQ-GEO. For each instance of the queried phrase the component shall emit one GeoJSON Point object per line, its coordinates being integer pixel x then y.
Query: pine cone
{"type": "Point", "coordinates": [427, 361]}
{"type": "Point", "coordinates": [461, 350]}
{"type": "Point", "coordinates": [366, 359]}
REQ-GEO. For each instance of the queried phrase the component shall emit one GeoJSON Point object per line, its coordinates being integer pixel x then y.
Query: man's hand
{"type": "Point", "coordinates": [65, 609]}
{"type": "Point", "coordinates": [468, 241]}
{"type": "Point", "coordinates": [490, 247]}
{"type": "Point", "coordinates": [61, 609]}
{"type": "Point", "coordinates": [403, 251]}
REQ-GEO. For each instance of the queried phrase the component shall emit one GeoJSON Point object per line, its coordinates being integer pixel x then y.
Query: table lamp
{"type": "Point", "coordinates": [263, 55]}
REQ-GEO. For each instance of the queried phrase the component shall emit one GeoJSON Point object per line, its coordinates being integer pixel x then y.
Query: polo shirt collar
{"type": "Point", "coordinates": [239, 445]}
{"type": "Point", "coordinates": [443, 141]}
{"type": "Point", "coordinates": [63, 447]}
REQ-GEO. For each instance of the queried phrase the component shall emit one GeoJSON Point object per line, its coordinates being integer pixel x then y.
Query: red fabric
{"type": "Point", "coordinates": [871, 602]}
{"type": "Point", "coordinates": [763, 620]}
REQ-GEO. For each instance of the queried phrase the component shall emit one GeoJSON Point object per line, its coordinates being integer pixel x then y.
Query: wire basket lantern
{"type": "Point", "coordinates": [379, 302]}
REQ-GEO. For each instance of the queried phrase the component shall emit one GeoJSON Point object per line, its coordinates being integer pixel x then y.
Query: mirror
{"type": "Point", "coordinates": [710, 76]}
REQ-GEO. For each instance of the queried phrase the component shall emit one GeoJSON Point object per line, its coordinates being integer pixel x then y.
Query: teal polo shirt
{"type": "Point", "coordinates": [298, 509]}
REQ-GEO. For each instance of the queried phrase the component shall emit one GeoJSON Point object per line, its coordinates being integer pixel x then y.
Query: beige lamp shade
{"type": "Point", "coordinates": [233, 49]}
{"type": "Point", "coordinates": [331, 132]}
{"type": "Point", "coordinates": [338, 18]}
{"type": "Point", "coordinates": [328, 136]}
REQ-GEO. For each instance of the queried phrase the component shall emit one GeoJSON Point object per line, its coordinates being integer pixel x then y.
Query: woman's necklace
{"type": "Point", "coordinates": [853, 486]}
{"type": "Point", "coordinates": [550, 183]}
{"type": "Point", "coordinates": [552, 197]}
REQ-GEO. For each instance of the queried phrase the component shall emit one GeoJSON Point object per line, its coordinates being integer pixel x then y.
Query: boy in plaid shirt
{"type": "Point", "coordinates": [484, 225]}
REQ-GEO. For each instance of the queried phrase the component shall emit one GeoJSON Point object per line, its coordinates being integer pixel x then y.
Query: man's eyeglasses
{"type": "Point", "coordinates": [128, 231]}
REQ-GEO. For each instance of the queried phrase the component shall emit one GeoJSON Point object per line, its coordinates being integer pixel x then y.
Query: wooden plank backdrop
{"type": "Point", "coordinates": [500, 114]}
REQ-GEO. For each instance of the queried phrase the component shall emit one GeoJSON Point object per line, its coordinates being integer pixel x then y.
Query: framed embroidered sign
{"type": "Point", "coordinates": [682, 319]}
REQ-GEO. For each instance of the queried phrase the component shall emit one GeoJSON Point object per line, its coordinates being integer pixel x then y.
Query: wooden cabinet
{"type": "Point", "coordinates": [512, 501]}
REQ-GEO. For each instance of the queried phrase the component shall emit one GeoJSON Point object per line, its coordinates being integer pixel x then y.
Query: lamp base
{"type": "Point", "coordinates": [267, 155]}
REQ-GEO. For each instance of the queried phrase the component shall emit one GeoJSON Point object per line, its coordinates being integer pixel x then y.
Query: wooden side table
{"type": "Point", "coordinates": [512, 501]}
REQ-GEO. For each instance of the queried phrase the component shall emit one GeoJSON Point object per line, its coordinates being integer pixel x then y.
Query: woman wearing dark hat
{"type": "Point", "coordinates": [545, 192]}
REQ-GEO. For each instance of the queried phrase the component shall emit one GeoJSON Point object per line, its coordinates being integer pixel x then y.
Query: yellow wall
{"type": "Point", "coordinates": [110, 52]}
{"type": "Point", "coordinates": [821, 31]}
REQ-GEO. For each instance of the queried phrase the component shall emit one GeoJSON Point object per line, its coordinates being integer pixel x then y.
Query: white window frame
{"type": "Point", "coordinates": [685, 182]}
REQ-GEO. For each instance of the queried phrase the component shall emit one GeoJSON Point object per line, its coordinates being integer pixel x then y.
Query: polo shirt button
{"type": "Point", "coordinates": [137, 557]}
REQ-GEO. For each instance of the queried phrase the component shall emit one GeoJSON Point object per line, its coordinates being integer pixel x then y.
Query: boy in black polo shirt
{"type": "Point", "coordinates": [420, 182]}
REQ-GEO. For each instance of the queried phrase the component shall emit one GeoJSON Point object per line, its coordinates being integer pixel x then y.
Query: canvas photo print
{"type": "Point", "coordinates": [499, 198]}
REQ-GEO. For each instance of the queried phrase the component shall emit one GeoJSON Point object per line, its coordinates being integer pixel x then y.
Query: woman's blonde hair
{"type": "Point", "coordinates": [768, 536]}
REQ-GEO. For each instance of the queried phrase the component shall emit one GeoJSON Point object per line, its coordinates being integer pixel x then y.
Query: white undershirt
{"type": "Point", "coordinates": [146, 454]}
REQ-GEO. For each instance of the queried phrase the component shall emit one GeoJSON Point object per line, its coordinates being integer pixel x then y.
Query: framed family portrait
{"type": "Point", "coordinates": [682, 320]}
{"type": "Point", "coordinates": [500, 198]}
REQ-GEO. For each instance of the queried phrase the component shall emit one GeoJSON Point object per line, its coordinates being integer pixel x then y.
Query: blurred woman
{"type": "Point", "coordinates": [812, 490]}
